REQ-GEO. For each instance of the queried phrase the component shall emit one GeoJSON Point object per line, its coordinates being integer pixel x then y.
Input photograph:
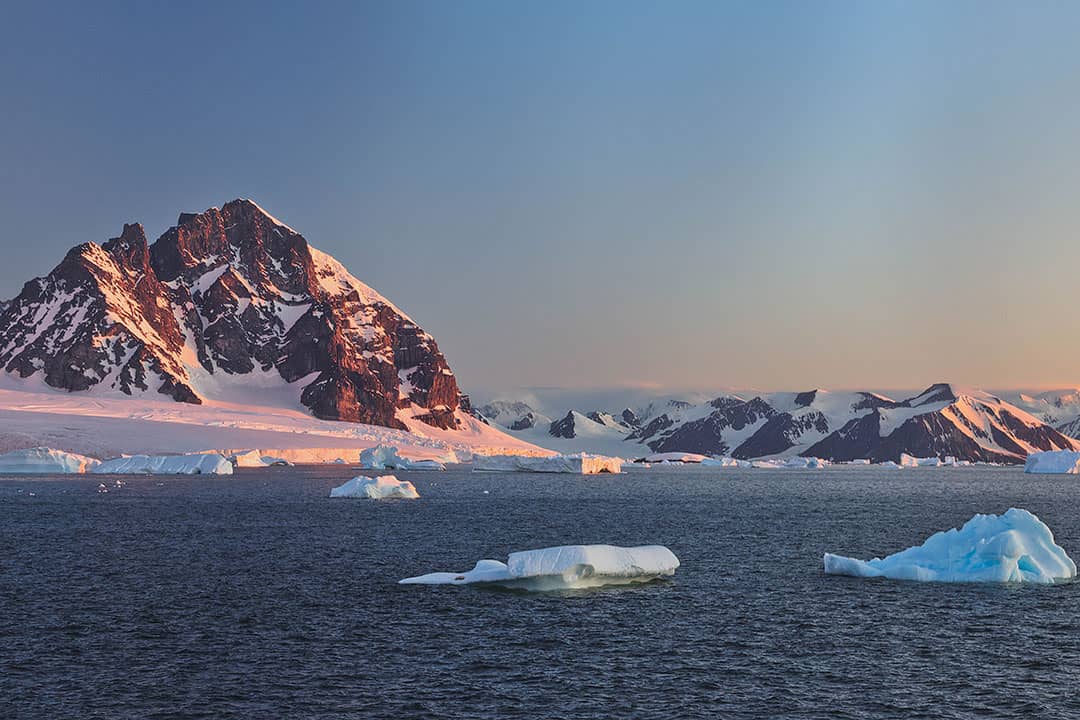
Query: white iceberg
{"type": "Point", "coordinates": [255, 459]}
{"type": "Point", "coordinates": [381, 488]}
{"type": "Point", "coordinates": [191, 464]}
{"type": "Point", "coordinates": [911, 461]}
{"type": "Point", "coordinates": [1014, 547]}
{"type": "Point", "coordinates": [800, 462]}
{"type": "Point", "coordinates": [676, 457]}
{"type": "Point", "coordinates": [1055, 462]}
{"type": "Point", "coordinates": [44, 461]}
{"type": "Point", "coordinates": [579, 464]}
{"type": "Point", "coordinates": [569, 567]}
{"type": "Point", "coordinates": [385, 457]}
{"type": "Point", "coordinates": [725, 462]}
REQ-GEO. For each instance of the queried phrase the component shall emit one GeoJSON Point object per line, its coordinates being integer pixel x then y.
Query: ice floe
{"type": "Point", "coordinates": [1056, 462]}
{"type": "Point", "coordinates": [191, 464]}
{"type": "Point", "coordinates": [569, 567]}
{"type": "Point", "coordinates": [1013, 547]}
{"type": "Point", "coordinates": [44, 461]}
{"type": "Point", "coordinates": [380, 488]}
{"type": "Point", "coordinates": [725, 462]}
{"type": "Point", "coordinates": [580, 464]}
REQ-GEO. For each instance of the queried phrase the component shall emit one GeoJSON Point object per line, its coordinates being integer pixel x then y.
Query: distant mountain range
{"type": "Point", "coordinates": [941, 421]}
{"type": "Point", "coordinates": [230, 300]}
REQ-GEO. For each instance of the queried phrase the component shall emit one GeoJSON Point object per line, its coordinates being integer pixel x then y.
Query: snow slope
{"type": "Point", "coordinates": [103, 425]}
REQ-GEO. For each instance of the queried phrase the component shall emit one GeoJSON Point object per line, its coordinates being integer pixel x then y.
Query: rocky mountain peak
{"type": "Point", "coordinates": [227, 292]}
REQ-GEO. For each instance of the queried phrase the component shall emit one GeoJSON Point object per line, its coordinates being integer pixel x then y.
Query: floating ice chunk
{"type": "Point", "coordinates": [191, 464]}
{"type": "Point", "coordinates": [725, 462]}
{"type": "Point", "coordinates": [1055, 462]}
{"type": "Point", "coordinates": [43, 460]}
{"type": "Point", "coordinates": [381, 488]}
{"type": "Point", "coordinates": [580, 464]}
{"type": "Point", "coordinates": [861, 461]}
{"type": "Point", "coordinates": [911, 461]}
{"type": "Point", "coordinates": [568, 567]}
{"type": "Point", "coordinates": [676, 457]}
{"type": "Point", "coordinates": [385, 457]}
{"type": "Point", "coordinates": [806, 462]}
{"type": "Point", "coordinates": [891, 464]}
{"type": "Point", "coordinates": [1014, 547]}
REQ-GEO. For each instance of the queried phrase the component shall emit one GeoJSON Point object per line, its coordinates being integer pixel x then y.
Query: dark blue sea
{"type": "Point", "coordinates": [256, 596]}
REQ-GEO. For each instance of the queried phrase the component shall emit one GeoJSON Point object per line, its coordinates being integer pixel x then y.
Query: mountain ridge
{"type": "Point", "coordinates": [224, 293]}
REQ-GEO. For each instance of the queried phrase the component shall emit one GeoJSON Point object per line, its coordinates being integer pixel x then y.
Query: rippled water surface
{"type": "Point", "coordinates": [256, 596]}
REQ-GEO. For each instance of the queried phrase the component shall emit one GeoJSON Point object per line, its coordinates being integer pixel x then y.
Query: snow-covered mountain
{"type": "Point", "coordinates": [228, 300]}
{"type": "Point", "coordinates": [941, 421]}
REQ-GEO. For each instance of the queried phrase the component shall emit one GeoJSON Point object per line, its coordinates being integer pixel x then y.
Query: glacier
{"type": "Point", "coordinates": [44, 461]}
{"type": "Point", "coordinates": [1013, 547]}
{"type": "Point", "coordinates": [381, 488]}
{"type": "Point", "coordinates": [190, 464]}
{"type": "Point", "coordinates": [1059, 462]}
{"type": "Point", "coordinates": [567, 567]}
{"type": "Point", "coordinates": [579, 464]}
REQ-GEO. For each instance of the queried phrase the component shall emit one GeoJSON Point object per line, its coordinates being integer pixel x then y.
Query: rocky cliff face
{"type": "Point", "coordinates": [225, 295]}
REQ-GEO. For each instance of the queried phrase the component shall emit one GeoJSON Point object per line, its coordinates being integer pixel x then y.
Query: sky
{"type": "Point", "coordinates": [781, 195]}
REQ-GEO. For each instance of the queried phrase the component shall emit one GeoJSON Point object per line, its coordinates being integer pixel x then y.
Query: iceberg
{"type": "Point", "coordinates": [569, 567]}
{"type": "Point", "coordinates": [381, 488]}
{"type": "Point", "coordinates": [191, 464]}
{"type": "Point", "coordinates": [676, 457]}
{"type": "Point", "coordinates": [1054, 462]}
{"type": "Point", "coordinates": [579, 464]}
{"type": "Point", "coordinates": [44, 461]}
{"type": "Point", "coordinates": [254, 458]}
{"type": "Point", "coordinates": [911, 461]}
{"type": "Point", "coordinates": [386, 457]}
{"type": "Point", "coordinates": [725, 462]}
{"type": "Point", "coordinates": [1013, 547]}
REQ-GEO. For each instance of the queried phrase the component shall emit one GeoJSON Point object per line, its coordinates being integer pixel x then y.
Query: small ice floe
{"type": "Point", "coordinates": [381, 488]}
{"type": "Point", "coordinates": [120, 483]}
{"type": "Point", "coordinates": [1013, 547]}
{"type": "Point", "coordinates": [190, 464]}
{"type": "Point", "coordinates": [569, 567]}
{"type": "Point", "coordinates": [578, 464]}
{"type": "Point", "coordinates": [385, 457]}
{"type": "Point", "coordinates": [1054, 462]}
{"type": "Point", "coordinates": [101, 488]}
{"type": "Point", "coordinates": [44, 461]}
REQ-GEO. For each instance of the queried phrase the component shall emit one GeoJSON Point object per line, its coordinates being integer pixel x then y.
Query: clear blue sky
{"type": "Point", "coordinates": [776, 194]}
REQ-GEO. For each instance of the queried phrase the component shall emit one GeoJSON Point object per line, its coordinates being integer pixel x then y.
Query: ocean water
{"type": "Point", "coordinates": [256, 596]}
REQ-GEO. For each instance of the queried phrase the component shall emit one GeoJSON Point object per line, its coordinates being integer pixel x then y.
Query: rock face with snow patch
{"type": "Point", "coordinates": [227, 292]}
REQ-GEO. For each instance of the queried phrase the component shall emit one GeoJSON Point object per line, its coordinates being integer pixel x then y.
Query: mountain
{"type": "Point", "coordinates": [227, 300]}
{"type": "Point", "coordinates": [941, 421]}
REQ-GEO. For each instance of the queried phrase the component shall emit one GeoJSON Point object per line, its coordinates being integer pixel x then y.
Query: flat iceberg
{"type": "Point", "coordinates": [725, 462]}
{"type": "Point", "coordinates": [1014, 547]}
{"type": "Point", "coordinates": [386, 457]}
{"type": "Point", "coordinates": [676, 457]}
{"type": "Point", "coordinates": [386, 487]}
{"type": "Point", "coordinates": [911, 461]}
{"type": "Point", "coordinates": [1054, 462]}
{"type": "Point", "coordinates": [569, 567]}
{"type": "Point", "coordinates": [255, 459]}
{"type": "Point", "coordinates": [579, 464]}
{"type": "Point", "coordinates": [191, 464]}
{"type": "Point", "coordinates": [44, 461]}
